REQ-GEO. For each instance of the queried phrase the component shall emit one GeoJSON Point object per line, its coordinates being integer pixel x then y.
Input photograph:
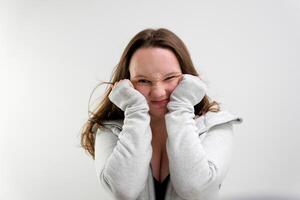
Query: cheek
{"type": "Point", "coordinates": [172, 86]}
{"type": "Point", "coordinates": [143, 90]}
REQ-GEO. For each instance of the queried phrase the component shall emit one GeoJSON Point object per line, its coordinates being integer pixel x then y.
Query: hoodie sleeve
{"type": "Point", "coordinates": [122, 161]}
{"type": "Point", "coordinates": [197, 167]}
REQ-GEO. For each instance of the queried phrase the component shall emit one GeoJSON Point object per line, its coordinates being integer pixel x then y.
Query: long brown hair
{"type": "Point", "coordinates": [106, 110]}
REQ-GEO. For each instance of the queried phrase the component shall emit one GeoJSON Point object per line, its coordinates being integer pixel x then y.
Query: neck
{"type": "Point", "coordinates": [158, 128]}
{"type": "Point", "coordinates": [157, 122]}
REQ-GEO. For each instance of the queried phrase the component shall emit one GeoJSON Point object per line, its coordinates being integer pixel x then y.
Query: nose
{"type": "Point", "coordinates": [158, 92]}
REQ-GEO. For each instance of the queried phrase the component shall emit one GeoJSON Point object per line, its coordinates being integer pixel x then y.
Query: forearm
{"type": "Point", "coordinates": [196, 167]}
{"type": "Point", "coordinates": [126, 169]}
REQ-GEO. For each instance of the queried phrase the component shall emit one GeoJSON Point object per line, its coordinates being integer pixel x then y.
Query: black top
{"type": "Point", "coordinates": [160, 188]}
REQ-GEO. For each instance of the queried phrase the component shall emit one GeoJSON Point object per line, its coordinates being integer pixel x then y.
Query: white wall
{"type": "Point", "coordinates": [52, 54]}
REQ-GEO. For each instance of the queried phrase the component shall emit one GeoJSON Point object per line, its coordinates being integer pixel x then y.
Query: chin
{"type": "Point", "coordinates": [158, 113]}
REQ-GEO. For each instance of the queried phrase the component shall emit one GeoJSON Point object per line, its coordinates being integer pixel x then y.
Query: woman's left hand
{"type": "Point", "coordinates": [190, 89]}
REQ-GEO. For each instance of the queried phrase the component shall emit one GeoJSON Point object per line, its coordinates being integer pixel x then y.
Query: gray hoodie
{"type": "Point", "coordinates": [199, 148]}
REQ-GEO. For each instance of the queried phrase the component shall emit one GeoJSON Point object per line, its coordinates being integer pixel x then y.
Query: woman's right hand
{"type": "Point", "coordinates": [124, 95]}
{"type": "Point", "coordinates": [123, 80]}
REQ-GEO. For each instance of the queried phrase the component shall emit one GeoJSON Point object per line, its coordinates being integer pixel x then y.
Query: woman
{"type": "Point", "coordinates": [156, 134]}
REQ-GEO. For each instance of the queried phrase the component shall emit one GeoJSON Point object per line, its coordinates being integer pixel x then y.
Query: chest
{"type": "Point", "coordinates": [159, 161]}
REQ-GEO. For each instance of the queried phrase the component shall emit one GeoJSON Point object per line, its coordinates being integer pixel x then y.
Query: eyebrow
{"type": "Point", "coordinates": [168, 74]}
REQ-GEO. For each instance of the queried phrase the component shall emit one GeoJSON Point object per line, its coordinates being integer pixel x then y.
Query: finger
{"type": "Point", "coordinates": [111, 86]}
{"type": "Point", "coordinates": [115, 84]}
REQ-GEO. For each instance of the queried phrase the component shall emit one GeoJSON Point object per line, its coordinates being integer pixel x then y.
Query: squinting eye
{"type": "Point", "coordinates": [170, 77]}
{"type": "Point", "coordinates": [143, 81]}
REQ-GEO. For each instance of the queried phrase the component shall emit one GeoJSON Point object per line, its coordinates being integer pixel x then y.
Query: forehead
{"type": "Point", "coordinates": [153, 62]}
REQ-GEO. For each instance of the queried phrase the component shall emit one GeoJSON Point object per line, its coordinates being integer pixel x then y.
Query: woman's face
{"type": "Point", "coordinates": [155, 72]}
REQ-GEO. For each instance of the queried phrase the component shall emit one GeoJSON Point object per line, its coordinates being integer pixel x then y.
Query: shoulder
{"type": "Point", "coordinates": [212, 119]}
{"type": "Point", "coordinates": [109, 126]}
